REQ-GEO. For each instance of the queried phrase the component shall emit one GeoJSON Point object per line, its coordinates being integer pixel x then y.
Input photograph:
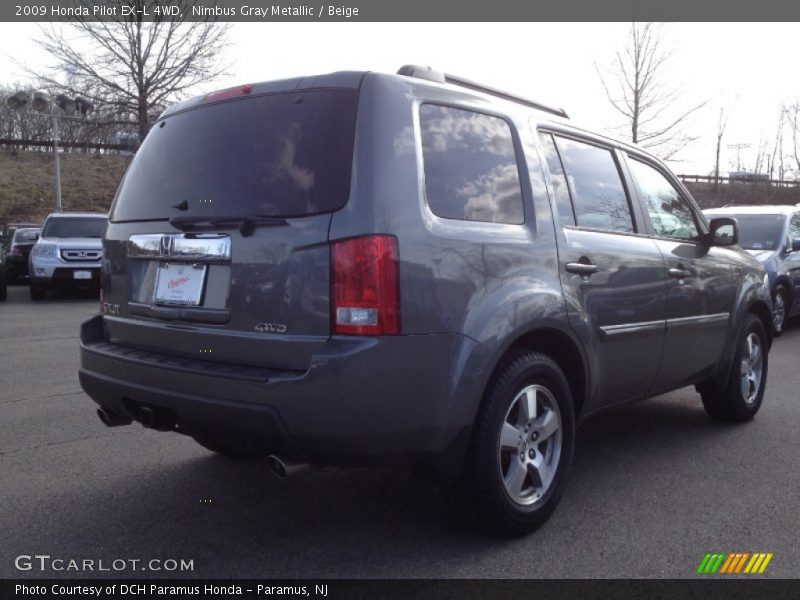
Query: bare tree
{"type": "Point", "coordinates": [722, 123]}
{"type": "Point", "coordinates": [136, 66]}
{"type": "Point", "coordinates": [636, 87]}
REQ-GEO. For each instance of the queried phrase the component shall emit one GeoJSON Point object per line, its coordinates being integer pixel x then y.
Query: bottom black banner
{"type": "Point", "coordinates": [603, 589]}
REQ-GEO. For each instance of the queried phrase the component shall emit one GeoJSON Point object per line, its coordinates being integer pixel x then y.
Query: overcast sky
{"type": "Point", "coordinates": [748, 68]}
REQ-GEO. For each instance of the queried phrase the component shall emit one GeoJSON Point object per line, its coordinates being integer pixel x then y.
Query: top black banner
{"type": "Point", "coordinates": [399, 10]}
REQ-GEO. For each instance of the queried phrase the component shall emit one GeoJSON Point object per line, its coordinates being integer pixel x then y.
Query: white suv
{"type": "Point", "coordinates": [68, 254]}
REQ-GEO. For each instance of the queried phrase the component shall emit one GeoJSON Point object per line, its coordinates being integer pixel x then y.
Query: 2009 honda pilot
{"type": "Point", "coordinates": [358, 268]}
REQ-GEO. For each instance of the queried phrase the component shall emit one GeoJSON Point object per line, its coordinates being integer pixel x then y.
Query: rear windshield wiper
{"type": "Point", "coordinates": [246, 225]}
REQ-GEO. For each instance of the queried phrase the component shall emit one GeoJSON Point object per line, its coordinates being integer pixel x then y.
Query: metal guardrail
{"type": "Point", "coordinates": [75, 145]}
{"type": "Point", "coordinates": [738, 180]}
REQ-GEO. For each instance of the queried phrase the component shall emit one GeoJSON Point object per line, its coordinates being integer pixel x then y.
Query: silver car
{"type": "Point", "coordinates": [68, 253]}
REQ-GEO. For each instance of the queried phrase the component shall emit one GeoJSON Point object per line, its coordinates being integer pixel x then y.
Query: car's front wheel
{"type": "Point", "coordinates": [741, 396]}
{"type": "Point", "coordinates": [780, 303]}
{"type": "Point", "coordinates": [522, 445]}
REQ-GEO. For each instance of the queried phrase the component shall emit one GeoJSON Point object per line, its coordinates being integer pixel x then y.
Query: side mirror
{"type": "Point", "coordinates": [723, 231]}
{"type": "Point", "coordinates": [796, 245]}
{"type": "Point", "coordinates": [36, 236]}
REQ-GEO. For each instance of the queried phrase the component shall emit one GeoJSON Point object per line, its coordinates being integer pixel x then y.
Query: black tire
{"type": "Point", "coordinates": [783, 294]}
{"type": "Point", "coordinates": [37, 292]}
{"type": "Point", "coordinates": [480, 493]}
{"type": "Point", "coordinates": [229, 446]}
{"type": "Point", "coordinates": [728, 403]}
{"type": "Point", "coordinates": [3, 285]}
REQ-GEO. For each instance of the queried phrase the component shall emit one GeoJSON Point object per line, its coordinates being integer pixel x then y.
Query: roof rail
{"type": "Point", "coordinates": [439, 77]}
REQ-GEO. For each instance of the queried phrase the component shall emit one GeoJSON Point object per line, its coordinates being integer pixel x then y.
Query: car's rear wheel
{"type": "Point", "coordinates": [522, 445]}
{"type": "Point", "coordinates": [780, 303]}
{"type": "Point", "coordinates": [37, 292]}
{"type": "Point", "coordinates": [3, 285]}
{"type": "Point", "coordinates": [227, 445]}
{"type": "Point", "coordinates": [741, 396]}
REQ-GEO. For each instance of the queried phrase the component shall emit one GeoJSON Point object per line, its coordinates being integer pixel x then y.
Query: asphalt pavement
{"type": "Point", "coordinates": [654, 487]}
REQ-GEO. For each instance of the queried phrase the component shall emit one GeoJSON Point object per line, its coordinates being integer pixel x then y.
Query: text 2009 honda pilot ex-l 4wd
{"type": "Point", "coordinates": [358, 268]}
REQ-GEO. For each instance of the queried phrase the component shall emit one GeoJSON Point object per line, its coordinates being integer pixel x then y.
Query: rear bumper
{"type": "Point", "coordinates": [361, 401]}
{"type": "Point", "coordinates": [17, 266]}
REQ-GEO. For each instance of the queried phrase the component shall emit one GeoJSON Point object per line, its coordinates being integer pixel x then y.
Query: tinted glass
{"type": "Point", "coordinates": [470, 166]}
{"type": "Point", "coordinates": [284, 154]}
{"type": "Point", "coordinates": [559, 180]}
{"type": "Point", "coordinates": [78, 227]}
{"type": "Point", "coordinates": [598, 195]}
{"type": "Point", "coordinates": [759, 232]}
{"type": "Point", "coordinates": [669, 211]}
{"type": "Point", "coordinates": [22, 236]}
{"type": "Point", "coordinates": [794, 228]}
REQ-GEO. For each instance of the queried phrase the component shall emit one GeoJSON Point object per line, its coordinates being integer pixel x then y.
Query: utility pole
{"type": "Point", "coordinates": [738, 148]}
{"type": "Point", "coordinates": [61, 108]}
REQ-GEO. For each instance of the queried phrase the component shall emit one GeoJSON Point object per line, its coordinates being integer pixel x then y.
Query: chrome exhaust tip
{"type": "Point", "coordinates": [283, 468]}
{"type": "Point", "coordinates": [110, 419]}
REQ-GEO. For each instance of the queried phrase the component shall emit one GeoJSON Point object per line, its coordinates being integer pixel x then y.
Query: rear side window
{"type": "Point", "coordinates": [287, 154]}
{"type": "Point", "coordinates": [470, 166]}
{"type": "Point", "coordinates": [598, 195]}
{"type": "Point", "coordinates": [558, 179]}
{"type": "Point", "coordinates": [77, 227]}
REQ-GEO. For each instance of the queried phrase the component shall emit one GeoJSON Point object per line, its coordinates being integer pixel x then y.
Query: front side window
{"type": "Point", "coordinates": [471, 169]}
{"type": "Point", "coordinates": [669, 211]}
{"type": "Point", "coordinates": [598, 195]}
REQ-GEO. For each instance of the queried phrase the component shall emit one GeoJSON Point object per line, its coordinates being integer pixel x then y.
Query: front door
{"type": "Point", "coordinates": [700, 290]}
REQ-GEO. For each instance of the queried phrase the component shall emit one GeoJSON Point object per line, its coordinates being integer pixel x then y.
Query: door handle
{"type": "Point", "coordinates": [679, 273]}
{"type": "Point", "coordinates": [580, 268]}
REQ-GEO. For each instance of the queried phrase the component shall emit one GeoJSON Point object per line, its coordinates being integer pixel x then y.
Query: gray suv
{"type": "Point", "coordinates": [362, 268]}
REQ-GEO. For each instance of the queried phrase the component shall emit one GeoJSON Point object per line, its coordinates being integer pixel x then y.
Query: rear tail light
{"type": "Point", "coordinates": [365, 286]}
{"type": "Point", "coordinates": [15, 251]}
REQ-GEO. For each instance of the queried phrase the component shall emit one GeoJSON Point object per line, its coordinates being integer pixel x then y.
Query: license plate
{"type": "Point", "coordinates": [179, 284]}
{"type": "Point", "coordinates": [81, 274]}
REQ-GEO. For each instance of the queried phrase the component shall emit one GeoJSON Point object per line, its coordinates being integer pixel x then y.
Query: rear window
{"type": "Point", "coordinates": [25, 235]}
{"type": "Point", "coordinates": [74, 227]}
{"type": "Point", "coordinates": [287, 154]}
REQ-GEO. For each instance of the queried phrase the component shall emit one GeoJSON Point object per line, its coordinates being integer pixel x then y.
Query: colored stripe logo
{"type": "Point", "coordinates": [734, 563]}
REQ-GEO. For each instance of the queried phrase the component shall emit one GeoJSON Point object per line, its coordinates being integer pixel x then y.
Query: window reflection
{"type": "Point", "coordinates": [470, 166]}
{"type": "Point", "coordinates": [598, 195]}
{"type": "Point", "coordinates": [559, 180]}
{"type": "Point", "coordinates": [669, 212]}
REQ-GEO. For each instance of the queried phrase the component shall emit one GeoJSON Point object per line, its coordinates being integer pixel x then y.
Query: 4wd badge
{"type": "Point", "coordinates": [271, 328]}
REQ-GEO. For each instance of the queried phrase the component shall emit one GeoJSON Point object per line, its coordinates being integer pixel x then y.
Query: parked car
{"type": "Point", "coordinates": [3, 277]}
{"type": "Point", "coordinates": [19, 250]}
{"type": "Point", "coordinates": [9, 228]}
{"type": "Point", "coordinates": [772, 235]}
{"type": "Point", "coordinates": [491, 274]}
{"type": "Point", "coordinates": [67, 254]}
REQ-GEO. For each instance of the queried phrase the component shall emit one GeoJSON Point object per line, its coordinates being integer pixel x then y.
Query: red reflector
{"type": "Point", "coordinates": [233, 92]}
{"type": "Point", "coordinates": [365, 286]}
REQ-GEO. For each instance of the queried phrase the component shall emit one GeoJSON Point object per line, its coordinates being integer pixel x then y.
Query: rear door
{"type": "Point", "coordinates": [613, 277]}
{"type": "Point", "coordinates": [217, 247]}
{"type": "Point", "coordinates": [700, 290]}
